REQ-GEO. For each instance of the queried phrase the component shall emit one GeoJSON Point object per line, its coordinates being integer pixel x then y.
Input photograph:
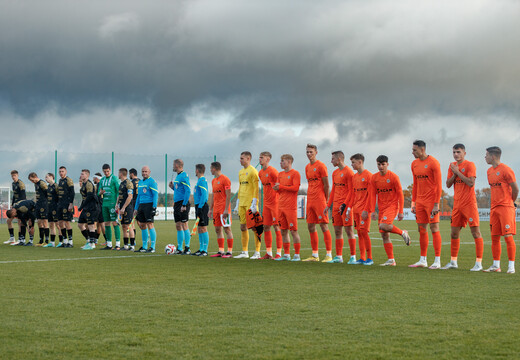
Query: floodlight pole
{"type": "Point", "coordinates": [55, 164]}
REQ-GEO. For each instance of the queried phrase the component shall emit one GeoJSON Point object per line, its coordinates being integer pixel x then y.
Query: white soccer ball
{"type": "Point", "coordinates": [170, 249]}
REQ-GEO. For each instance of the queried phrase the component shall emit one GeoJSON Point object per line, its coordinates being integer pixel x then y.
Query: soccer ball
{"type": "Point", "coordinates": [170, 249]}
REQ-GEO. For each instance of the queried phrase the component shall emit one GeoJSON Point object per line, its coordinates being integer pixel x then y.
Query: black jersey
{"type": "Point", "coordinates": [18, 191]}
{"type": "Point", "coordinates": [52, 194]}
{"type": "Point", "coordinates": [125, 188]}
{"type": "Point", "coordinates": [65, 191]}
{"type": "Point", "coordinates": [24, 209]}
{"type": "Point", "coordinates": [88, 195]}
{"type": "Point", "coordinates": [41, 193]}
{"type": "Point", "coordinates": [135, 182]}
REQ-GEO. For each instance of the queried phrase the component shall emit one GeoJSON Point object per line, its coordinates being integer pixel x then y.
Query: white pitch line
{"type": "Point", "coordinates": [73, 259]}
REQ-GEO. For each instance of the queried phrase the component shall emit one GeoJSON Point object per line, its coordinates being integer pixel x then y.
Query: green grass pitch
{"type": "Point", "coordinates": [120, 305]}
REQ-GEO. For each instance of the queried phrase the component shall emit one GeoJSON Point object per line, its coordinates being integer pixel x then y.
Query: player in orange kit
{"type": "Point", "coordinates": [341, 188]}
{"type": "Point", "coordinates": [317, 195]}
{"type": "Point", "coordinates": [502, 220]}
{"type": "Point", "coordinates": [360, 205]}
{"type": "Point", "coordinates": [426, 195]}
{"type": "Point", "coordinates": [388, 193]}
{"type": "Point", "coordinates": [268, 177]}
{"type": "Point", "coordinates": [287, 186]}
{"type": "Point", "coordinates": [220, 209]}
{"type": "Point", "coordinates": [461, 175]}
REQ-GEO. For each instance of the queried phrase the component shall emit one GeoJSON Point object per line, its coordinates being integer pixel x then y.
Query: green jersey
{"type": "Point", "coordinates": [111, 186]}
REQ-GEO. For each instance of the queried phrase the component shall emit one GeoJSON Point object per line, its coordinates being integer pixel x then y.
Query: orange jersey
{"type": "Point", "coordinates": [463, 194]}
{"type": "Point", "coordinates": [289, 186]}
{"type": "Point", "coordinates": [427, 180]}
{"type": "Point", "coordinates": [499, 179]}
{"type": "Point", "coordinates": [314, 173]}
{"type": "Point", "coordinates": [220, 185]}
{"type": "Point", "coordinates": [341, 186]}
{"type": "Point", "coordinates": [388, 190]}
{"type": "Point", "coordinates": [362, 196]}
{"type": "Point", "coordinates": [268, 178]}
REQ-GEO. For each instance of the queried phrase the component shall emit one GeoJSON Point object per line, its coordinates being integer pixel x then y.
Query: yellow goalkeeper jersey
{"type": "Point", "coordinates": [248, 188]}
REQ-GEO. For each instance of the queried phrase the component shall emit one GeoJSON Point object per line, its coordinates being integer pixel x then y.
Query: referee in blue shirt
{"type": "Point", "coordinates": [145, 208]}
{"type": "Point", "coordinates": [181, 207]}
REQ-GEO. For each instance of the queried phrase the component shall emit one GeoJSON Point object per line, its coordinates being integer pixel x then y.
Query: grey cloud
{"type": "Point", "coordinates": [368, 66]}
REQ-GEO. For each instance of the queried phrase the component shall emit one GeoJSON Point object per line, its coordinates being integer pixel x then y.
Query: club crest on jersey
{"type": "Point", "coordinates": [218, 182]}
{"type": "Point", "coordinates": [362, 222]}
{"type": "Point", "coordinates": [319, 217]}
{"type": "Point", "coordinates": [314, 169]}
{"type": "Point", "coordinates": [463, 170]}
{"type": "Point", "coordinates": [288, 177]}
{"type": "Point", "coordinates": [388, 181]}
{"type": "Point", "coordinates": [291, 224]}
{"type": "Point", "coordinates": [498, 173]}
{"type": "Point", "coordinates": [507, 226]}
{"type": "Point", "coordinates": [144, 191]}
{"type": "Point", "coordinates": [384, 218]}
{"type": "Point", "coordinates": [470, 219]}
{"type": "Point", "coordinates": [341, 175]}
{"type": "Point", "coordinates": [266, 175]}
{"type": "Point", "coordinates": [363, 179]}
{"type": "Point", "coordinates": [426, 166]}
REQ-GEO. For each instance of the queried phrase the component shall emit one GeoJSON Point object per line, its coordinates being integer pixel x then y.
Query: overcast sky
{"type": "Point", "coordinates": [201, 78]}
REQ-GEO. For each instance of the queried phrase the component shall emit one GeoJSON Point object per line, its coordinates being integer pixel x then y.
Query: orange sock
{"type": "Point", "coordinates": [279, 241]}
{"type": "Point", "coordinates": [479, 248]}
{"type": "Point", "coordinates": [286, 248]}
{"type": "Point", "coordinates": [297, 247]}
{"type": "Point", "coordinates": [268, 241]}
{"type": "Point", "coordinates": [437, 243]}
{"type": "Point", "coordinates": [389, 248]}
{"type": "Point", "coordinates": [496, 248]}
{"type": "Point", "coordinates": [368, 245]}
{"type": "Point", "coordinates": [455, 246]}
{"type": "Point", "coordinates": [352, 246]}
{"type": "Point", "coordinates": [511, 248]}
{"type": "Point", "coordinates": [396, 230]}
{"type": "Point", "coordinates": [361, 241]}
{"type": "Point", "coordinates": [314, 242]}
{"type": "Point", "coordinates": [328, 241]}
{"type": "Point", "coordinates": [230, 245]}
{"type": "Point", "coordinates": [424, 241]}
{"type": "Point", "coordinates": [220, 244]}
{"type": "Point", "coordinates": [339, 247]}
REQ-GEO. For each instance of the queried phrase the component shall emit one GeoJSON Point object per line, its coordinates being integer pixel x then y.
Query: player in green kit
{"type": "Point", "coordinates": [109, 188]}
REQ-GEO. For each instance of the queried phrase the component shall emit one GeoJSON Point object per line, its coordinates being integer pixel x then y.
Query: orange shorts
{"type": "Point", "coordinates": [340, 220]}
{"type": "Point", "coordinates": [423, 214]}
{"type": "Point", "coordinates": [216, 219]}
{"type": "Point", "coordinates": [270, 215]}
{"type": "Point", "coordinates": [288, 219]}
{"type": "Point", "coordinates": [315, 213]}
{"type": "Point", "coordinates": [460, 216]}
{"type": "Point", "coordinates": [387, 216]}
{"type": "Point", "coordinates": [361, 224]}
{"type": "Point", "coordinates": [502, 221]}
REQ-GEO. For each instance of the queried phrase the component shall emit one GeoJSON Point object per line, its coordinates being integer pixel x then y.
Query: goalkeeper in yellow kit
{"type": "Point", "coordinates": [248, 200]}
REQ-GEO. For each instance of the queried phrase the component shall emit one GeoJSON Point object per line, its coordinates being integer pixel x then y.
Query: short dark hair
{"type": "Point", "coordinates": [495, 151]}
{"type": "Point", "coordinates": [86, 170]}
{"type": "Point", "coordinates": [312, 146]}
{"type": "Point", "coordinates": [124, 171]}
{"type": "Point", "coordinates": [51, 175]}
{"type": "Point", "coordinates": [358, 156]}
{"type": "Point", "coordinates": [459, 146]}
{"type": "Point", "coordinates": [32, 175]}
{"type": "Point", "coordinates": [339, 154]}
{"type": "Point", "coordinates": [133, 171]}
{"type": "Point", "coordinates": [10, 213]}
{"type": "Point", "coordinates": [216, 165]}
{"type": "Point", "coordinates": [201, 168]}
{"type": "Point", "coordinates": [382, 159]}
{"type": "Point", "coordinates": [105, 166]}
{"type": "Point", "coordinates": [246, 153]}
{"type": "Point", "coordinates": [98, 174]}
{"type": "Point", "coordinates": [14, 172]}
{"type": "Point", "coordinates": [420, 143]}
{"type": "Point", "coordinates": [63, 167]}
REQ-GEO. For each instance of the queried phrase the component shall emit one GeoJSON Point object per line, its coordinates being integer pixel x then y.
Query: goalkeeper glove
{"type": "Point", "coordinates": [253, 206]}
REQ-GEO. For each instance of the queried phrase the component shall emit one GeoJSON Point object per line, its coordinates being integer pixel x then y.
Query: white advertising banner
{"type": "Point", "coordinates": [169, 210]}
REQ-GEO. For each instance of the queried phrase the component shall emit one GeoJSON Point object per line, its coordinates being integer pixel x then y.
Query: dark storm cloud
{"type": "Point", "coordinates": [369, 67]}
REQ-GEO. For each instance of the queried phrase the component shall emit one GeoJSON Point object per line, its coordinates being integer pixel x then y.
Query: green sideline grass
{"type": "Point", "coordinates": [120, 305]}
